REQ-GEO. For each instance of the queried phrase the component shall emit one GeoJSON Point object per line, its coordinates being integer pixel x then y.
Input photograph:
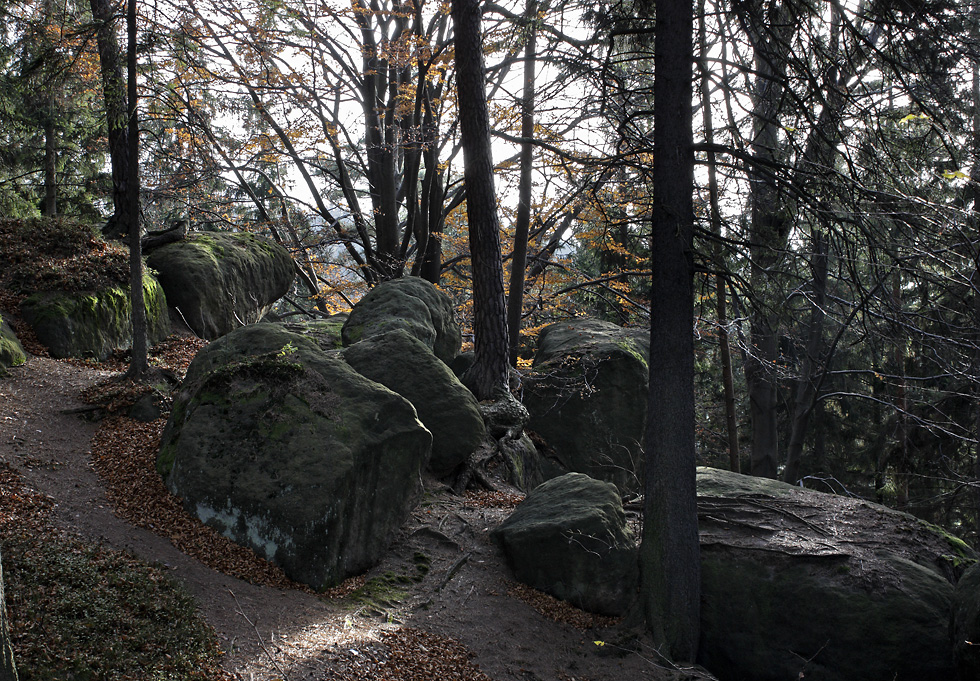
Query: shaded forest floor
{"type": "Point", "coordinates": [440, 606]}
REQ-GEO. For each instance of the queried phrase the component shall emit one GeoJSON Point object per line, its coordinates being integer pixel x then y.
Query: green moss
{"type": "Point", "coordinates": [628, 345]}
{"type": "Point", "coordinates": [165, 459]}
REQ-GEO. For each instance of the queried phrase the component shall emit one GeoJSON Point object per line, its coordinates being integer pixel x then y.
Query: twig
{"type": "Point", "coordinates": [241, 612]}
{"type": "Point", "coordinates": [454, 568]}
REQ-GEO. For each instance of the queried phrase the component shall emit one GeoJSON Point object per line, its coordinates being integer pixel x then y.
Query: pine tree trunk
{"type": "Point", "coordinates": [114, 92]}
{"type": "Point", "coordinates": [488, 375]}
{"type": "Point", "coordinates": [670, 553]}
{"type": "Point", "coordinates": [518, 261]}
{"type": "Point", "coordinates": [50, 163]}
{"type": "Point", "coordinates": [139, 364]}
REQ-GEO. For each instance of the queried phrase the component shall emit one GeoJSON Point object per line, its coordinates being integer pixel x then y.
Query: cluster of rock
{"type": "Point", "coordinates": [795, 583]}
{"type": "Point", "coordinates": [213, 282]}
{"type": "Point", "coordinates": [307, 442]}
{"type": "Point", "coordinates": [313, 455]}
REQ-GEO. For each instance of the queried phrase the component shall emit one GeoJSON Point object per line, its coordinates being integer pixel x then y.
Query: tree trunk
{"type": "Point", "coordinates": [139, 363]}
{"type": "Point", "coordinates": [50, 163]}
{"type": "Point", "coordinates": [670, 573]}
{"type": "Point", "coordinates": [768, 227]}
{"type": "Point", "coordinates": [114, 93]}
{"type": "Point", "coordinates": [518, 261]}
{"type": "Point", "coordinates": [488, 375]}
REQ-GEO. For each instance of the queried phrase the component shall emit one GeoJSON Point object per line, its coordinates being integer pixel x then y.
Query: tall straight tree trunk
{"type": "Point", "coordinates": [768, 28]}
{"type": "Point", "coordinates": [487, 378]}
{"type": "Point", "coordinates": [139, 363]}
{"type": "Point", "coordinates": [114, 93]}
{"type": "Point", "coordinates": [50, 163]}
{"type": "Point", "coordinates": [518, 261]}
{"type": "Point", "coordinates": [670, 568]}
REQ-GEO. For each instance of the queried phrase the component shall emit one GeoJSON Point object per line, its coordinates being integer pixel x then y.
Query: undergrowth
{"type": "Point", "coordinates": [87, 612]}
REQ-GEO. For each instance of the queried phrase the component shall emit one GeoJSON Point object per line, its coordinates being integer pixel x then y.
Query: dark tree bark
{"type": "Point", "coordinates": [488, 376]}
{"type": "Point", "coordinates": [518, 261]}
{"type": "Point", "coordinates": [139, 363]}
{"type": "Point", "coordinates": [50, 163]}
{"type": "Point", "coordinates": [670, 566]}
{"type": "Point", "coordinates": [114, 92]}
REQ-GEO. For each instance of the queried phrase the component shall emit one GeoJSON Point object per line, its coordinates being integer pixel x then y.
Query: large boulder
{"type": "Point", "coordinates": [411, 304]}
{"type": "Point", "coordinates": [587, 399]}
{"type": "Point", "coordinates": [94, 324]}
{"type": "Point", "coordinates": [11, 352]}
{"type": "Point", "coordinates": [801, 584]}
{"type": "Point", "coordinates": [323, 332]}
{"type": "Point", "coordinates": [448, 410]}
{"type": "Point", "coordinates": [569, 538]}
{"type": "Point", "coordinates": [219, 281]}
{"type": "Point", "coordinates": [966, 623]}
{"type": "Point", "coordinates": [286, 449]}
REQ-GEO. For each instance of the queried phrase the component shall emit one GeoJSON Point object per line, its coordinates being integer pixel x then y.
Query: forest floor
{"type": "Point", "coordinates": [441, 605]}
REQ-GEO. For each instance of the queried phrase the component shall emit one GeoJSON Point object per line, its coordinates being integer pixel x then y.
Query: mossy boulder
{"type": "Point", "coordinates": [401, 363]}
{"type": "Point", "coordinates": [284, 448]}
{"type": "Point", "coordinates": [11, 352]}
{"type": "Point", "coordinates": [94, 324]}
{"type": "Point", "coordinates": [569, 538]}
{"type": "Point", "coordinates": [802, 584]}
{"type": "Point", "coordinates": [587, 400]}
{"type": "Point", "coordinates": [408, 303]}
{"type": "Point", "coordinates": [219, 281]}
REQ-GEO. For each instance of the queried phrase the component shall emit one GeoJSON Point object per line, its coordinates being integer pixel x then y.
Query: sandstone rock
{"type": "Point", "coordinates": [219, 281]}
{"type": "Point", "coordinates": [569, 538]}
{"type": "Point", "coordinates": [411, 304]}
{"type": "Point", "coordinates": [94, 324]}
{"type": "Point", "coordinates": [11, 352]}
{"type": "Point", "coordinates": [323, 332]}
{"type": "Point", "coordinates": [966, 623]}
{"type": "Point", "coordinates": [587, 397]}
{"type": "Point", "coordinates": [800, 582]}
{"type": "Point", "coordinates": [286, 449]}
{"type": "Point", "coordinates": [445, 407]}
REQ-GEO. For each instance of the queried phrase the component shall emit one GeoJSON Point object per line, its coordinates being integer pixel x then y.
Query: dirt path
{"type": "Point", "coordinates": [284, 634]}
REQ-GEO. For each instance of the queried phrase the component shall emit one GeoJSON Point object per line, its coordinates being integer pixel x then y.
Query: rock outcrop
{"type": "Point", "coordinates": [569, 538]}
{"type": "Point", "coordinates": [11, 352]}
{"type": "Point", "coordinates": [323, 332]}
{"type": "Point", "coordinates": [285, 448]}
{"type": "Point", "coordinates": [797, 582]}
{"type": "Point", "coordinates": [411, 304]}
{"type": "Point", "coordinates": [94, 324]}
{"type": "Point", "coordinates": [402, 363]}
{"type": "Point", "coordinates": [219, 281]}
{"type": "Point", "coordinates": [587, 399]}
{"type": "Point", "coordinates": [966, 623]}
